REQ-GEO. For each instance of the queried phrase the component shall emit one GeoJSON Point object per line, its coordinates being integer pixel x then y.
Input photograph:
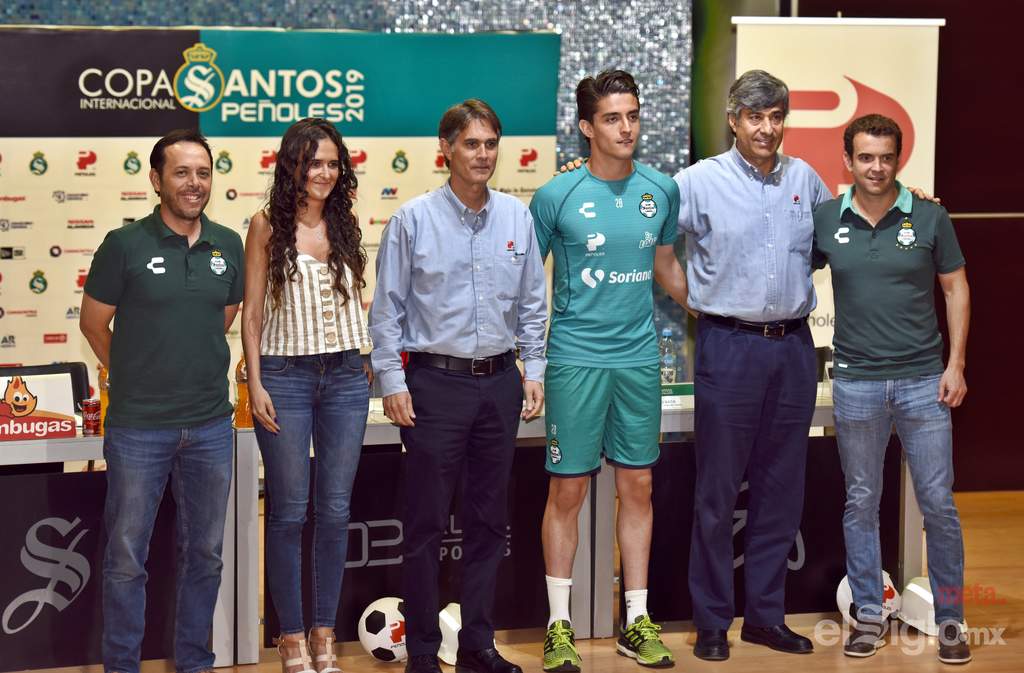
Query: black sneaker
{"type": "Point", "coordinates": [865, 637]}
{"type": "Point", "coordinates": [953, 648]}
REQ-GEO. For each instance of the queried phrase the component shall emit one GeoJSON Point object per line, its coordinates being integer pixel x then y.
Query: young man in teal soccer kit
{"type": "Point", "coordinates": [610, 228]}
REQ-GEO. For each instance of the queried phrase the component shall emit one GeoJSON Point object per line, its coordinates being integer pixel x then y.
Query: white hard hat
{"type": "Point", "coordinates": [918, 607]}
{"type": "Point", "coordinates": [890, 598]}
{"type": "Point", "coordinates": [450, 621]}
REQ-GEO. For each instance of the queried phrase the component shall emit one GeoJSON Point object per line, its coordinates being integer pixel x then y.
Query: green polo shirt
{"type": "Point", "coordinates": [883, 281]}
{"type": "Point", "coordinates": [169, 358]}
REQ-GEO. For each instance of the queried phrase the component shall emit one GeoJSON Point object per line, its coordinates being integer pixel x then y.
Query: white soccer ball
{"type": "Point", "coordinates": [382, 629]}
{"type": "Point", "coordinates": [890, 598]}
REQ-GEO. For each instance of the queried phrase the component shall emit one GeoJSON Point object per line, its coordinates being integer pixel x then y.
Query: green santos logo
{"type": "Point", "coordinates": [199, 83]}
{"type": "Point", "coordinates": [132, 165]}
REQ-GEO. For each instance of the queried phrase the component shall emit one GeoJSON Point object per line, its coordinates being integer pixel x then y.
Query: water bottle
{"type": "Point", "coordinates": [667, 356]}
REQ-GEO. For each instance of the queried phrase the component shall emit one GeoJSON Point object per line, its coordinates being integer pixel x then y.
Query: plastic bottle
{"type": "Point", "coordinates": [243, 412]}
{"type": "Point", "coordinates": [103, 383]}
{"type": "Point", "coordinates": [668, 356]}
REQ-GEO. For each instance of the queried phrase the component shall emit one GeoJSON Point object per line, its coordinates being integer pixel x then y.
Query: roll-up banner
{"type": "Point", "coordinates": [838, 70]}
{"type": "Point", "coordinates": [83, 108]}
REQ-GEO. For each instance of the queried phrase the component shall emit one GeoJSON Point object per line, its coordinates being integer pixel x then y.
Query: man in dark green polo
{"type": "Point", "coordinates": [171, 282]}
{"type": "Point", "coordinates": [885, 248]}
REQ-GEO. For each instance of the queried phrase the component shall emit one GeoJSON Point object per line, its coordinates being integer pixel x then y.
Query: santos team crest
{"type": "Point", "coordinates": [199, 83]}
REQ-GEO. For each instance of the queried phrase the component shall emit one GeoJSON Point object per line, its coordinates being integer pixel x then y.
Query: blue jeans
{"type": "Point", "coordinates": [325, 397]}
{"type": "Point", "coordinates": [199, 461]}
{"type": "Point", "coordinates": [865, 412]}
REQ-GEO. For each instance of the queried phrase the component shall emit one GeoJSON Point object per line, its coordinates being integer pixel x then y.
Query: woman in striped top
{"type": "Point", "coordinates": [302, 330]}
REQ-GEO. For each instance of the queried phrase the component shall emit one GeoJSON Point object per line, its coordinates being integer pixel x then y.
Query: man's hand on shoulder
{"type": "Point", "coordinates": [398, 408]}
{"type": "Point", "coordinates": [923, 195]}
{"type": "Point", "coordinates": [571, 165]}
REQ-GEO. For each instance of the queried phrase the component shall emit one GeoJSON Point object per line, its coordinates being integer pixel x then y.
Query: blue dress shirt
{"type": "Point", "coordinates": [458, 282]}
{"type": "Point", "coordinates": [749, 236]}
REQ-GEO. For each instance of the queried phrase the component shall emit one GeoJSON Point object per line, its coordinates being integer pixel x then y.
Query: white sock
{"type": "Point", "coordinates": [558, 598]}
{"type": "Point", "coordinates": [636, 604]}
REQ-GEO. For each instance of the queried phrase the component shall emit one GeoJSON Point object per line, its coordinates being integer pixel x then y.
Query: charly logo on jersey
{"type": "Point", "coordinates": [648, 241]}
{"type": "Point", "coordinates": [156, 266]}
{"type": "Point", "coordinates": [217, 263]}
{"type": "Point", "coordinates": [591, 277]}
{"type": "Point", "coordinates": [587, 210]}
{"type": "Point", "coordinates": [59, 566]}
{"type": "Point", "coordinates": [906, 238]}
{"type": "Point", "coordinates": [595, 241]}
{"type": "Point", "coordinates": [648, 208]}
{"type": "Point", "coordinates": [199, 83]}
{"type": "Point", "coordinates": [841, 235]}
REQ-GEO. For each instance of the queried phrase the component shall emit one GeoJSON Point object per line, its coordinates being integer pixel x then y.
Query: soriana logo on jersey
{"type": "Point", "coordinates": [35, 407]}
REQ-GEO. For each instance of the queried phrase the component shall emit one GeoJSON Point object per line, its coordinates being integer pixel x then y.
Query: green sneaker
{"type": "Point", "coordinates": [641, 641]}
{"type": "Point", "coordinates": [560, 654]}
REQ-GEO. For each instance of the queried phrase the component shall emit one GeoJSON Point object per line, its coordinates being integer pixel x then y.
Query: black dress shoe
{"type": "Point", "coordinates": [712, 645]}
{"type": "Point", "coordinates": [779, 638]}
{"type": "Point", "coordinates": [422, 663]}
{"type": "Point", "coordinates": [484, 661]}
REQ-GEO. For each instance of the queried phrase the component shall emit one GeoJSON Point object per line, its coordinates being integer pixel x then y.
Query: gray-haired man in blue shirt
{"type": "Point", "coordinates": [747, 218]}
{"type": "Point", "coordinates": [460, 286]}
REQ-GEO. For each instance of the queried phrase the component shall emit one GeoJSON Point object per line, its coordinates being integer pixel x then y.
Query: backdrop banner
{"type": "Point", "coordinates": [85, 106]}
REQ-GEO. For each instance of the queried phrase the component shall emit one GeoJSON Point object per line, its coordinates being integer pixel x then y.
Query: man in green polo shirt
{"type": "Point", "coordinates": [885, 248]}
{"type": "Point", "coordinates": [171, 282]}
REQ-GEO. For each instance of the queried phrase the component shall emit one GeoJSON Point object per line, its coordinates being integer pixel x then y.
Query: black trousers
{"type": "Point", "coordinates": [463, 422]}
{"type": "Point", "coordinates": [754, 402]}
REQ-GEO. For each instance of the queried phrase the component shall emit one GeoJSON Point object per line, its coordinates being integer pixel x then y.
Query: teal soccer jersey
{"type": "Point", "coordinates": [602, 235]}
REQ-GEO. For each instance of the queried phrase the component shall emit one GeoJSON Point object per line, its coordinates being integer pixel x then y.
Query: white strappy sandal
{"type": "Point", "coordinates": [294, 656]}
{"type": "Point", "coordinates": [324, 658]}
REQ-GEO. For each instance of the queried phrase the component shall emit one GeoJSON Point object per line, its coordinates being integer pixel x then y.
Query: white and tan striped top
{"type": "Point", "coordinates": [311, 317]}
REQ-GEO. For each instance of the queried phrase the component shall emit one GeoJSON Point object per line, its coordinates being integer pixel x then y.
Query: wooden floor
{"type": "Point", "coordinates": [994, 539]}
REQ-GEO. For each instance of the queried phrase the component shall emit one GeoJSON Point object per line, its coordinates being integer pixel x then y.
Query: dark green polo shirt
{"type": "Point", "coordinates": [883, 280]}
{"type": "Point", "coordinates": [169, 358]}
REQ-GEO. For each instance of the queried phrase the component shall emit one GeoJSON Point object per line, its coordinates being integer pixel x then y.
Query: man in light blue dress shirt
{"type": "Point", "coordinates": [460, 287]}
{"type": "Point", "coordinates": [747, 218]}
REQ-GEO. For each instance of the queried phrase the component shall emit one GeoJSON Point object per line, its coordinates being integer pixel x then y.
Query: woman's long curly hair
{"type": "Point", "coordinates": [288, 198]}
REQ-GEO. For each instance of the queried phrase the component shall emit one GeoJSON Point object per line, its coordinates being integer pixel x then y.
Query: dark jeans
{"type": "Point", "coordinates": [464, 424]}
{"type": "Point", "coordinates": [754, 402]}
{"type": "Point", "coordinates": [324, 397]}
{"type": "Point", "coordinates": [139, 461]}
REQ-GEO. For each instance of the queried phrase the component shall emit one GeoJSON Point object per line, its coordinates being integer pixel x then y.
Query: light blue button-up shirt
{"type": "Point", "coordinates": [749, 236]}
{"type": "Point", "coordinates": [458, 282]}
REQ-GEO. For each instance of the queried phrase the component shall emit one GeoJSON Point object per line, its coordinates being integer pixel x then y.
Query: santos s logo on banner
{"type": "Point", "coordinates": [61, 566]}
{"type": "Point", "coordinates": [199, 83]}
